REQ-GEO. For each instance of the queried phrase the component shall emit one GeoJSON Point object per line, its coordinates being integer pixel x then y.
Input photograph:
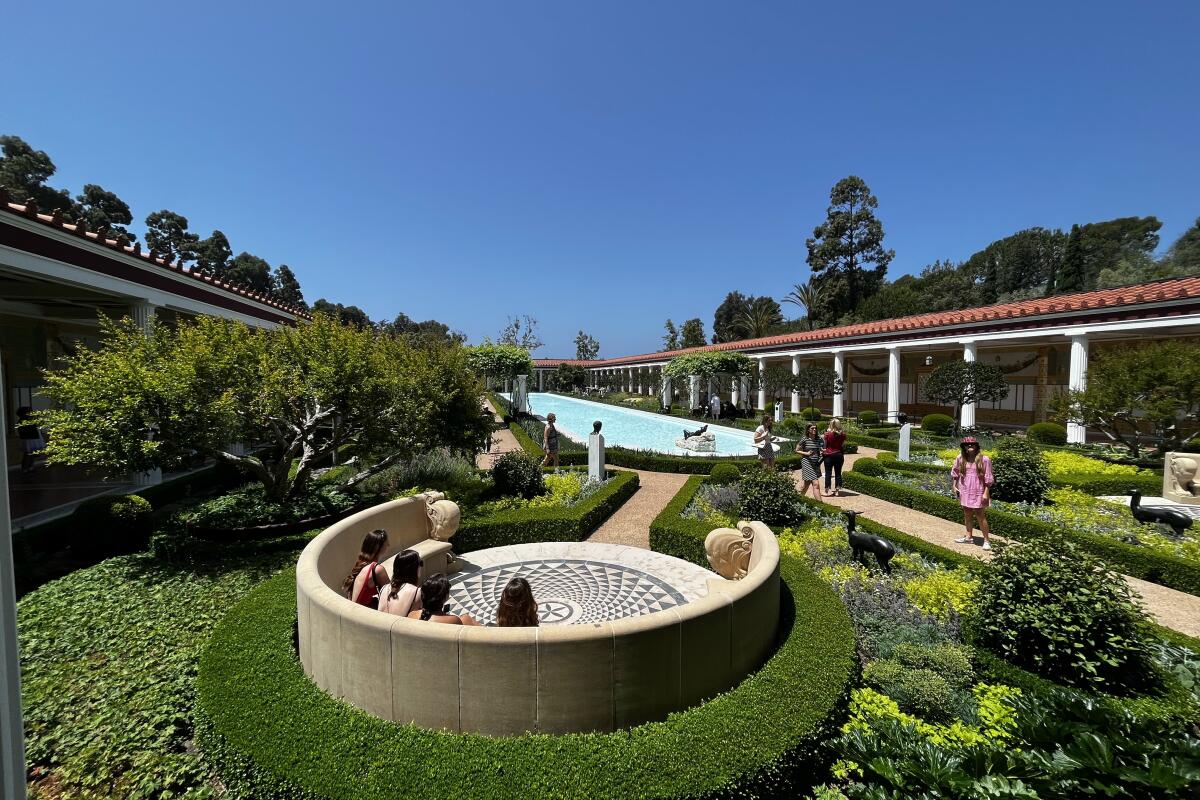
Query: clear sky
{"type": "Point", "coordinates": [606, 165]}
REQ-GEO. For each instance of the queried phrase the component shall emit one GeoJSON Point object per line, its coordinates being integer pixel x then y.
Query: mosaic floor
{"type": "Point", "coordinates": [577, 582]}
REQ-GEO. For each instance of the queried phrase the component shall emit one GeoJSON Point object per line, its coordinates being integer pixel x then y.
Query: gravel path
{"type": "Point", "coordinates": [630, 524]}
{"type": "Point", "coordinates": [502, 442]}
{"type": "Point", "coordinates": [1171, 608]}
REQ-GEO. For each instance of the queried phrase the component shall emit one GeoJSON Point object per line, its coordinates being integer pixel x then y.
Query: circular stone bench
{"type": "Point", "coordinates": [550, 679]}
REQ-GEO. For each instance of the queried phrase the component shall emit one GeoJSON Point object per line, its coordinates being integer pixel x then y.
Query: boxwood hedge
{"type": "Point", "coordinates": [270, 732]}
{"type": "Point", "coordinates": [1088, 483]}
{"type": "Point", "coordinates": [1172, 571]}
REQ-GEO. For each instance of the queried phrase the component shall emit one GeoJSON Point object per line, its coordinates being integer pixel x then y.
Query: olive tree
{"type": "Point", "coordinates": [500, 361]}
{"type": "Point", "coordinates": [959, 383]}
{"type": "Point", "coordinates": [817, 380]}
{"type": "Point", "coordinates": [162, 398]}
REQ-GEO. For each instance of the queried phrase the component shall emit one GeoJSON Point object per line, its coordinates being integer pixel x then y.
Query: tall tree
{"type": "Point", "coordinates": [899, 299]}
{"type": "Point", "coordinates": [586, 348]}
{"type": "Point", "coordinates": [347, 315]}
{"type": "Point", "coordinates": [725, 319]}
{"type": "Point", "coordinates": [840, 248]}
{"type": "Point", "coordinates": [759, 318]}
{"type": "Point", "coordinates": [817, 380]}
{"type": "Point", "coordinates": [522, 332]}
{"type": "Point", "coordinates": [1024, 261]}
{"type": "Point", "coordinates": [103, 210]}
{"type": "Point", "coordinates": [1073, 274]}
{"type": "Point", "coordinates": [945, 286]}
{"type": "Point", "coordinates": [1184, 254]}
{"type": "Point", "coordinates": [807, 296]}
{"type": "Point", "coordinates": [212, 255]}
{"type": "Point", "coordinates": [250, 271]}
{"type": "Point", "coordinates": [959, 383]}
{"type": "Point", "coordinates": [692, 333]}
{"type": "Point", "coordinates": [24, 172]}
{"type": "Point", "coordinates": [1106, 244]}
{"type": "Point", "coordinates": [428, 332]}
{"type": "Point", "coordinates": [167, 234]}
{"type": "Point", "coordinates": [671, 339]}
{"type": "Point", "coordinates": [286, 287]}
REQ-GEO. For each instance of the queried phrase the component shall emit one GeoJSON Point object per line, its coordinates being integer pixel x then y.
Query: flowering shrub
{"type": "Point", "coordinates": [715, 504]}
{"type": "Point", "coordinates": [997, 717]}
{"type": "Point", "coordinates": [940, 593]}
{"type": "Point", "coordinates": [1063, 463]}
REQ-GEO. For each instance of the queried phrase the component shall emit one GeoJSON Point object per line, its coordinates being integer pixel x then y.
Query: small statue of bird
{"type": "Point", "coordinates": [1175, 520]}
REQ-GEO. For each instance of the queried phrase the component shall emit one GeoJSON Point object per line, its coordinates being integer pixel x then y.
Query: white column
{"type": "Point", "coordinates": [629, 380]}
{"type": "Point", "coordinates": [795, 394]}
{"type": "Point", "coordinates": [143, 316]}
{"type": "Point", "coordinates": [693, 391]}
{"type": "Point", "coordinates": [839, 400]}
{"type": "Point", "coordinates": [667, 394]}
{"type": "Point", "coordinates": [735, 394]}
{"type": "Point", "coordinates": [893, 384]}
{"type": "Point", "coordinates": [1077, 381]}
{"type": "Point", "coordinates": [12, 729]}
{"type": "Point", "coordinates": [968, 410]}
{"type": "Point", "coordinates": [762, 391]}
{"type": "Point", "coordinates": [541, 380]}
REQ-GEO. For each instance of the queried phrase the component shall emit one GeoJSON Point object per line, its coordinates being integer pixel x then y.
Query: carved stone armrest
{"type": "Point", "coordinates": [444, 517]}
{"type": "Point", "coordinates": [729, 551]}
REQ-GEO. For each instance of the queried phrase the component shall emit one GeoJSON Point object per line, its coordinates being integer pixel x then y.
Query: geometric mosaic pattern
{"type": "Point", "coordinates": [568, 591]}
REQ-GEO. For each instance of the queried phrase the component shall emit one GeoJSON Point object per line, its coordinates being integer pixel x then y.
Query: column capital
{"type": "Point", "coordinates": [1078, 334]}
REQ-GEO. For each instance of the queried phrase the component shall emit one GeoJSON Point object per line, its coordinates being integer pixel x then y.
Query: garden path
{"type": "Point", "coordinates": [1171, 608]}
{"type": "Point", "coordinates": [502, 442]}
{"type": "Point", "coordinates": [630, 524]}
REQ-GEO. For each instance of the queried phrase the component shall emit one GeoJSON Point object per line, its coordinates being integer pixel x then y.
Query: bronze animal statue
{"type": "Point", "coordinates": [1176, 520]}
{"type": "Point", "coordinates": [689, 434]}
{"type": "Point", "coordinates": [863, 543]}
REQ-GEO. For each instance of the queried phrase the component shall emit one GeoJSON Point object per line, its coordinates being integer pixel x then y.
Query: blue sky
{"type": "Point", "coordinates": [606, 166]}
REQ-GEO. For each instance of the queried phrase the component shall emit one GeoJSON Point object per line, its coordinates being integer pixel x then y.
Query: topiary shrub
{"type": "Point", "coordinates": [1050, 608]}
{"type": "Point", "coordinates": [811, 414]}
{"type": "Point", "coordinates": [724, 473]}
{"type": "Point", "coordinates": [111, 525]}
{"type": "Point", "coordinates": [917, 691]}
{"type": "Point", "coordinates": [1047, 433]}
{"type": "Point", "coordinates": [518, 475]}
{"type": "Point", "coordinates": [868, 417]}
{"type": "Point", "coordinates": [770, 497]}
{"type": "Point", "coordinates": [1021, 472]}
{"type": "Point", "coordinates": [938, 424]}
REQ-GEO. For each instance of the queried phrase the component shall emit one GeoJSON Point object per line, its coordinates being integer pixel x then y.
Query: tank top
{"type": "Point", "coordinates": [369, 588]}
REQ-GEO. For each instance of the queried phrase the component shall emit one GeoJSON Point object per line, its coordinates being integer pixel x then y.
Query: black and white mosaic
{"type": "Point", "coordinates": [568, 590]}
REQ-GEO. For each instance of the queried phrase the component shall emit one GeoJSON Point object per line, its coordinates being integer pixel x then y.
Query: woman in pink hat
{"type": "Point", "coordinates": [972, 476]}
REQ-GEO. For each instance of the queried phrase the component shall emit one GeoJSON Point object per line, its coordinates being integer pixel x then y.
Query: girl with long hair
{"type": "Point", "coordinates": [517, 607]}
{"type": "Point", "coordinates": [435, 592]}
{"type": "Point", "coordinates": [810, 448]}
{"type": "Point", "coordinates": [402, 595]}
{"type": "Point", "coordinates": [363, 582]}
{"type": "Point", "coordinates": [834, 457]}
{"type": "Point", "coordinates": [972, 477]}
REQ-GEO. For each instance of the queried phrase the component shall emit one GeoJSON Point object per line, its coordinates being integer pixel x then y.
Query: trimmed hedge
{"type": "Point", "coordinates": [763, 738]}
{"type": "Point", "coordinates": [1088, 483]}
{"type": "Point", "coordinates": [883, 444]}
{"type": "Point", "coordinates": [938, 424]}
{"type": "Point", "coordinates": [522, 525]}
{"type": "Point", "coordinates": [1171, 571]}
{"type": "Point", "coordinates": [1047, 433]}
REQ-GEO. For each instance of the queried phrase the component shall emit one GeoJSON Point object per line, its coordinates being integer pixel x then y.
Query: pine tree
{"type": "Point", "coordinates": [850, 238]}
{"type": "Point", "coordinates": [1072, 273]}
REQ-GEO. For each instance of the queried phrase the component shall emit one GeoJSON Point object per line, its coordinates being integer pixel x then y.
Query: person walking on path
{"type": "Point", "coordinates": [714, 406]}
{"type": "Point", "coordinates": [972, 477]}
{"type": "Point", "coordinates": [834, 457]}
{"type": "Point", "coordinates": [763, 441]}
{"type": "Point", "coordinates": [810, 449]}
{"type": "Point", "coordinates": [550, 442]}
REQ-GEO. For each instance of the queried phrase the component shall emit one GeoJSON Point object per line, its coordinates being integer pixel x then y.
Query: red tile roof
{"type": "Point", "coordinates": [1124, 298]}
{"type": "Point", "coordinates": [554, 362]}
{"type": "Point", "coordinates": [56, 220]}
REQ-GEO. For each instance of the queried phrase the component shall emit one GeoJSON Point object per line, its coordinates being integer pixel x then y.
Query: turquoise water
{"type": "Point", "coordinates": [633, 429]}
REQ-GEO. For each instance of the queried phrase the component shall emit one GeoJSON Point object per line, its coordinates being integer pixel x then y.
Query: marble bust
{"type": "Point", "coordinates": [1181, 478]}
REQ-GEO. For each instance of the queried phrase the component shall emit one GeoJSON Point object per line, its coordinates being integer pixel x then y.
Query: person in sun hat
{"type": "Point", "coordinates": [972, 477]}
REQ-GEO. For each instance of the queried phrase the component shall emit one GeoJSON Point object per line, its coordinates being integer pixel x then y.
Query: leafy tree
{"type": "Point", "coordinates": [692, 333]}
{"type": "Point", "coordinates": [286, 287]}
{"type": "Point", "coordinates": [710, 364]}
{"type": "Point", "coordinates": [522, 332]}
{"type": "Point", "coordinates": [201, 385]}
{"type": "Point", "coordinates": [1023, 261]}
{"type": "Point", "coordinates": [957, 383]}
{"type": "Point", "coordinates": [725, 319]}
{"type": "Point", "coordinates": [250, 271]}
{"type": "Point", "coordinates": [429, 331]}
{"type": "Point", "coordinates": [946, 286]}
{"type": "Point", "coordinates": [817, 380]}
{"type": "Point", "coordinates": [347, 315]}
{"type": "Point", "coordinates": [213, 255]}
{"type": "Point", "coordinates": [759, 318]}
{"type": "Point", "coordinates": [806, 295]}
{"type": "Point", "coordinates": [103, 210]}
{"type": "Point", "coordinates": [671, 339]}
{"type": "Point", "coordinates": [899, 299]}
{"type": "Point", "coordinates": [586, 348]}
{"type": "Point", "coordinates": [1106, 244]}
{"type": "Point", "coordinates": [499, 360]}
{"type": "Point", "coordinates": [1184, 254]}
{"type": "Point", "coordinates": [775, 379]}
{"type": "Point", "coordinates": [1156, 385]}
{"type": "Point", "coordinates": [840, 248]}
{"type": "Point", "coordinates": [167, 235]}
{"type": "Point", "coordinates": [1142, 268]}
{"type": "Point", "coordinates": [568, 376]}
{"type": "Point", "coordinates": [24, 172]}
{"type": "Point", "coordinates": [1072, 276]}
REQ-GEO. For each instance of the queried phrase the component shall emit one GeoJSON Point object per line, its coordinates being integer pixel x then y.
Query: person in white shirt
{"type": "Point", "coordinates": [763, 441]}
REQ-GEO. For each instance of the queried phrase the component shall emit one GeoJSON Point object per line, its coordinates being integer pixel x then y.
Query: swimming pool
{"type": "Point", "coordinates": [636, 430]}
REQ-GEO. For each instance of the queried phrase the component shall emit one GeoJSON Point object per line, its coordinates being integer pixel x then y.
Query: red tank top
{"type": "Point", "coordinates": [369, 589]}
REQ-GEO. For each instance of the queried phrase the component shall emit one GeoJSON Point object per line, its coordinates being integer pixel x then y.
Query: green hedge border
{"type": "Point", "coordinates": [1170, 571]}
{"type": "Point", "coordinates": [270, 732]}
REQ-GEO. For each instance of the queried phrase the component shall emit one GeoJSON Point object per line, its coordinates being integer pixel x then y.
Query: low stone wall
{"type": "Point", "coordinates": [504, 681]}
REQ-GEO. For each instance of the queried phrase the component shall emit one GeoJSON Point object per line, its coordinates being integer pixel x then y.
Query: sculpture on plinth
{"type": "Point", "coordinates": [689, 434]}
{"type": "Point", "coordinates": [1177, 521]}
{"type": "Point", "coordinates": [1181, 478]}
{"type": "Point", "coordinates": [444, 516]}
{"type": "Point", "coordinates": [596, 453]}
{"type": "Point", "coordinates": [863, 543]}
{"type": "Point", "coordinates": [729, 551]}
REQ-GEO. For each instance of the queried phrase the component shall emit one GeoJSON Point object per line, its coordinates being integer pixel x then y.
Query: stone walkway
{"type": "Point", "coordinates": [502, 442]}
{"type": "Point", "coordinates": [1171, 608]}
{"type": "Point", "coordinates": [630, 524]}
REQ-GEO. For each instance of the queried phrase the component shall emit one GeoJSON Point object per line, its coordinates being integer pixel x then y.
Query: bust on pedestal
{"type": "Point", "coordinates": [905, 438]}
{"type": "Point", "coordinates": [596, 453]}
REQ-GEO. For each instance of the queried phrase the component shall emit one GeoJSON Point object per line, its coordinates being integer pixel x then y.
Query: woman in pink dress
{"type": "Point", "coordinates": [972, 476]}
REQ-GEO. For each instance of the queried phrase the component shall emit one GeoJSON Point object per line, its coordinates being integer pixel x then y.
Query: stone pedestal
{"type": "Point", "coordinates": [906, 442]}
{"type": "Point", "coordinates": [693, 391]}
{"type": "Point", "coordinates": [668, 393]}
{"type": "Point", "coordinates": [520, 398]}
{"type": "Point", "coordinates": [596, 457]}
{"type": "Point", "coordinates": [778, 411]}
